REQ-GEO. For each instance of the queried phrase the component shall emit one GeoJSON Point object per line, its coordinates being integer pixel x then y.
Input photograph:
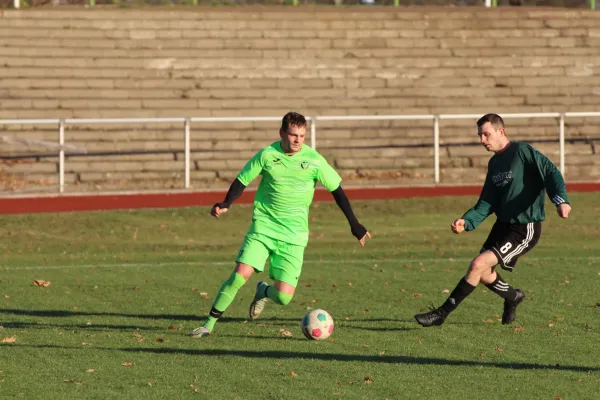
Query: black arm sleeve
{"type": "Point", "coordinates": [235, 191]}
{"type": "Point", "coordinates": [342, 201]}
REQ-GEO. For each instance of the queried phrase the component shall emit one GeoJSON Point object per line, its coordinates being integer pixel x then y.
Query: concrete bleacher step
{"type": "Point", "coordinates": [192, 62]}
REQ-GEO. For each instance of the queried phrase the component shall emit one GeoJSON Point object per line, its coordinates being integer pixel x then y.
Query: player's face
{"type": "Point", "coordinates": [292, 139]}
{"type": "Point", "coordinates": [491, 138]}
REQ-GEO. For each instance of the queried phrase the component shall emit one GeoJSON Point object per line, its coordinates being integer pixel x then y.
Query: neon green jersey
{"type": "Point", "coordinates": [286, 190]}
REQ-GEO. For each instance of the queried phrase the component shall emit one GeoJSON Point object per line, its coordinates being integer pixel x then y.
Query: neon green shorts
{"type": "Point", "coordinates": [285, 259]}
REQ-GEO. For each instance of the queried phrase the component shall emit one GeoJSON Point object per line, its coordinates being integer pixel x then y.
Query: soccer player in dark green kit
{"type": "Point", "coordinates": [518, 177]}
{"type": "Point", "coordinates": [279, 229]}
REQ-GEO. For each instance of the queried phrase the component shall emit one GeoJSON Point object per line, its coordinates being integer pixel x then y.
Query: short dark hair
{"type": "Point", "coordinates": [494, 119]}
{"type": "Point", "coordinates": [292, 118]}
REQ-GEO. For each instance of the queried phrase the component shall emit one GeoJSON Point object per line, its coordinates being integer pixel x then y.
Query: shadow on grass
{"type": "Point", "coordinates": [387, 359]}
{"type": "Point", "coordinates": [192, 317]}
{"type": "Point", "coordinates": [79, 327]}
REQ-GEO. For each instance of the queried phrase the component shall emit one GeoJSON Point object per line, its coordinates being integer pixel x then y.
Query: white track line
{"type": "Point", "coordinates": [353, 261]}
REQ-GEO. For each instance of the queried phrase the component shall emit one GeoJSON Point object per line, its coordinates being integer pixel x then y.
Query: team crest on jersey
{"type": "Point", "coordinates": [304, 164]}
{"type": "Point", "coordinates": [502, 178]}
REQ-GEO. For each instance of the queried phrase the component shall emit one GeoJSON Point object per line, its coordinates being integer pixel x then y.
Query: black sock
{"type": "Point", "coordinates": [502, 288]}
{"type": "Point", "coordinates": [460, 292]}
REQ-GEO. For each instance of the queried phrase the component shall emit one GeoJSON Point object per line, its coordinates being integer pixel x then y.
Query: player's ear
{"type": "Point", "coordinates": [281, 133]}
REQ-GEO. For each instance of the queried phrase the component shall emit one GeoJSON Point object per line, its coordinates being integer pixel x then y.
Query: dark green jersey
{"type": "Point", "coordinates": [514, 188]}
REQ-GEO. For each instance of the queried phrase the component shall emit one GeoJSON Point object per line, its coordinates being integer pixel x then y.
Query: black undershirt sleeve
{"type": "Point", "coordinates": [235, 191]}
{"type": "Point", "coordinates": [342, 201]}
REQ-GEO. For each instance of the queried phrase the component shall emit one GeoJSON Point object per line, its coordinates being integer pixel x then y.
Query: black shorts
{"type": "Point", "coordinates": [510, 241]}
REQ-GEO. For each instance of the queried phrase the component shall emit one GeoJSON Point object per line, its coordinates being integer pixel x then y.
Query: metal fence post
{"type": "Point", "coordinates": [186, 146]}
{"type": "Point", "coordinates": [436, 148]}
{"type": "Point", "coordinates": [561, 140]}
{"type": "Point", "coordinates": [313, 133]}
{"type": "Point", "coordinates": [61, 156]}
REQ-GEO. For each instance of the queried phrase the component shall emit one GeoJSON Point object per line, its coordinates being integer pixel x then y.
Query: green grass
{"type": "Point", "coordinates": [126, 287]}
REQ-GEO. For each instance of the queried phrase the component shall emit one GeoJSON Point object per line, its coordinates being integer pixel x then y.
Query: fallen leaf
{"type": "Point", "coordinates": [160, 340]}
{"type": "Point", "coordinates": [518, 328]}
{"type": "Point", "coordinates": [308, 285]}
{"type": "Point", "coordinates": [7, 296]}
{"type": "Point", "coordinates": [381, 353]}
{"type": "Point", "coordinates": [137, 335]}
{"type": "Point", "coordinates": [172, 328]}
{"type": "Point", "coordinates": [368, 380]}
{"type": "Point", "coordinates": [127, 364]}
{"type": "Point", "coordinates": [419, 339]}
{"type": "Point", "coordinates": [481, 355]}
{"type": "Point", "coordinates": [285, 332]}
{"type": "Point", "coordinates": [349, 283]}
{"type": "Point", "coordinates": [203, 294]}
{"type": "Point", "coordinates": [74, 382]}
{"type": "Point", "coordinates": [417, 295]}
{"type": "Point", "coordinates": [489, 321]}
{"type": "Point", "coordinates": [293, 373]}
{"type": "Point", "coordinates": [445, 291]}
{"type": "Point", "coordinates": [11, 339]}
{"type": "Point", "coordinates": [91, 370]}
{"type": "Point", "coordinates": [135, 288]}
{"type": "Point", "coordinates": [334, 285]}
{"type": "Point", "coordinates": [278, 364]}
{"type": "Point", "coordinates": [498, 349]}
{"type": "Point", "coordinates": [41, 283]}
{"type": "Point", "coordinates": [89, 324]}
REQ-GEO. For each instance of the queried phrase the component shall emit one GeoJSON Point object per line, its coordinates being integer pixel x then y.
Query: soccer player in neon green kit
{"type": "Point", "coordinates": [279, 229]}
{"type": "Point", "coordinates": [517, 179]}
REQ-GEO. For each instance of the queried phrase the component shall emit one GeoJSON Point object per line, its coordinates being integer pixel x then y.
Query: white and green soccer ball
{"type": "Point", "coordinates": [317, 325]}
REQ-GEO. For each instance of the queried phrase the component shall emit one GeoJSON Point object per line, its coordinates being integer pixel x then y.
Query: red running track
{"type": "Point", "coordinates": [66, 203]}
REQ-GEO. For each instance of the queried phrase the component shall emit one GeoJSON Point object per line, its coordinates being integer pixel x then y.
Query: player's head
{"type": "Point", "coordinates": [490, 129]}
{"type": "Point", "coordinates": [292, 132]}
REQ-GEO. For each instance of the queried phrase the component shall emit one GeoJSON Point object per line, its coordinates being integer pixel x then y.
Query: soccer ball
{"type": "Point", "coordinates": [317, 325]}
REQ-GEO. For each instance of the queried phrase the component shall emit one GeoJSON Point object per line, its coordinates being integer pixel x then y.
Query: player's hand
{"type": "Point", "coordinates": [458, 225]}
{"type": "Point", "coordinates": [364, 238]}
{"type": "Point", "coordinates": [563, 210]}
{"type": "Point", "coordinates": [216, 211]}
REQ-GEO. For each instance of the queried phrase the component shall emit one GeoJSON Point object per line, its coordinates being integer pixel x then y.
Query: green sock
{"type": "Point", "coordinates": [226, 294]}
{"type": "Point", "coordinates": [278, 297]}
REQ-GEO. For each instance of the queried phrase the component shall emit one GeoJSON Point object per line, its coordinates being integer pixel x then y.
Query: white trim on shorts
{"type": "Point", "coordinates": [521, 247]}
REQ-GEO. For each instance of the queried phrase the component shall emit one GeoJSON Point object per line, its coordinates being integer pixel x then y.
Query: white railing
{"type": "Point", "coordinates": [313, 131]}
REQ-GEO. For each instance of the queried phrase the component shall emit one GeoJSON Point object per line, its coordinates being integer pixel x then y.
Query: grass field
{"type": "Point", "coordinates": [126, 288]}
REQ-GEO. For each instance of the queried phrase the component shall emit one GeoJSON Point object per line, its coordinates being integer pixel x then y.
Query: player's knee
{"type": "Point", "coordinates": [282, 298]}
{"type": "Point", "coordinates": [478, 266]}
